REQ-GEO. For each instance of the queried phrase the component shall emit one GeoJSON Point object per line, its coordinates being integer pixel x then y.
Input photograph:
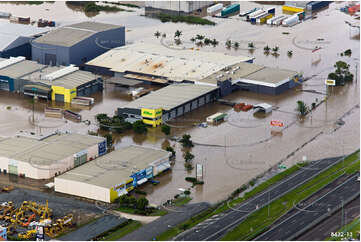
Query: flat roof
{"type": "Point", "coordinates": [47, 151]}
{"type": "Point", "coordinates": [115, 167]}
{"type": "Point", "coordinates": [160, 61]}
{"type": "Point", "coordinates": [21, 68]}
{"type": "Point", "coordinates": [69, 81]}
{"type": "Point", "coordinates": [251, 73]}
{"type": "Point", "coordinates": [70, 35]}
{"type": "Point", "coordinates": [123, 81]}
{"type": "Point", "coordinates": [170, 96]}
{"type": "Point", "coordinates": [11, 32]}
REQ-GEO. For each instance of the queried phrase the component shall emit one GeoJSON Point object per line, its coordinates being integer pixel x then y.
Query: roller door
{"type": "Point", "coordinates": [4, 85]}
{"type": "Point", "coordinates": [187, 108]}
{"type": "Point", "coordinates": [59, 97]}
{"type": "Point", "coordinates": [179, 111]}
{"type": "Point", "coordinates": [173, 114]}
{"type": "Point", "coordinates": [194, 104]}
{"type": "Point", "coordinates": [201, 101]}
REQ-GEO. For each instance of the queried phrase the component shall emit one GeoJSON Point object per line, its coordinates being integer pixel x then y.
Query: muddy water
{"type": "Point", "coordinates": [237, 150]}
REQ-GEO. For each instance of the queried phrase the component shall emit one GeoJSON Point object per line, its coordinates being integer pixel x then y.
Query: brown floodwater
{"type": "Point", "coordinates": [245, 145]}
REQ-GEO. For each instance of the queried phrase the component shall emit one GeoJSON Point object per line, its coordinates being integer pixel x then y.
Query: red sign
{"type": "Point", "coordinates": [276, 123]}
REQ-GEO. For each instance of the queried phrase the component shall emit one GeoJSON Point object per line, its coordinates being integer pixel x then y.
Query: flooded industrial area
{"type": "Point", "coordinates": [244, 145]}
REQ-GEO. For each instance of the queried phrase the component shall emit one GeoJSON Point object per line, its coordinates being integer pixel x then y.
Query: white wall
{"type": "Point", "coordinates": [185, 6]}
{"type": "Point", "coordinates": [82, 189]}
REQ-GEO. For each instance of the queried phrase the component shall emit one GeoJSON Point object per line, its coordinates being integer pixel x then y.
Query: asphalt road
{"type": "Point", "coordinates": [218, 225]}
{"type": "Point", "coordinates": [93, 229]}
{"type": "Point", "coordinates": [293, 225]}
{"type": "Point", "coordinates": [150, 231]}
{"type": "Point", "coordinates": [333, 223]}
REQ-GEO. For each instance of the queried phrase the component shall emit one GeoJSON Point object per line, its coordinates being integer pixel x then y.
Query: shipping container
{"type": "Point", "coordinates": [273, 19]}
{"type": "Point", "coordinates": [262, 19]}
{"type": "Point", "coordinates": [280, 20]}
{"type": "Point", "coordinates": [254, 18]}
{"type": "Point", "coordinates": [232, 9]}
{"type": "Point", "coordinates": [317, 5]}
{"type": "Point", "coordinates": [244, 14]}
{"type": "Point", "coordinates": [5, 15]}
{"type": "Point", "coordinates": [292, 9]}
{"type": "Point", "coordinates": [255, 13]}
{"type": "Point", "coordinates": [293, 20]}
{"type": "Point", "coordinates": [213, 9]}
{"type": "Point", "coordinates": [271, 10]}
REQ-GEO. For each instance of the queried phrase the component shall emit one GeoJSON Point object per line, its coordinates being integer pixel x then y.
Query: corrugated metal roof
{"type": "Point", "coordinates": [73, 34]}
{"type": "Point", "coordinates": [20, 69]}
{"type": "Point", "coordinates": [47, 151]}
{"type": "Point", "coordinates": [114, 167]}
{"type": "Point", "coordinates": [158, 60]}
{"type": "Point", "coordinates": [10, 32]}
{"type": "Point", "coordinates": [170, 96]}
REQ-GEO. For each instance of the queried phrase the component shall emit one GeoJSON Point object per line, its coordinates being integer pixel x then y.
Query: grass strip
{"type": "Point", "coordinates": [260, 220]}
{"type": "Point", "coordinates": [350, 230]}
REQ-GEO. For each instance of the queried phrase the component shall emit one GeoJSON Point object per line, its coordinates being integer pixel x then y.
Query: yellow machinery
{"type": "Point", "coordinates": [61, 225]}
{"type": "Point", "coordinates": [28, 235]}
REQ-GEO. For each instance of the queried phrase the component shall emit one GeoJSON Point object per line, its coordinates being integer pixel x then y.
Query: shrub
{"type": "Point", "coordinates": [139, 127]}
{"type": "Point", "coordinates": [186, 141]}
{"type": "Point", "coordinates": [188, 156]}
{"type": "Point", "coordinates": [187, 192]}
{"type": "Point", "coordinates": [191, 179]}
{"type": "Point", "coordinates": [170, 149]}
{"type": "Point", "coordinates": [166, 129]}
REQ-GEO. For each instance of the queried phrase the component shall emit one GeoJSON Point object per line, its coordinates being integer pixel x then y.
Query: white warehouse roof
{"type": "Point", "coordinates": [157, 60]}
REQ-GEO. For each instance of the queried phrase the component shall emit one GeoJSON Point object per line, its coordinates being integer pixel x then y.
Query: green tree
{"type": "Point", "coordinates": [177, 41]}
{"type": "Point", "coordinates": [193, 39]}
{"type": "Point", "coordinates": [302, 108]}
{"type": "Point", "coordinates": [341, 74]}
{"type": "Point", "coordinates": [266, 48]}
{"type": "Point", "coordinates": [157, 34]}
{"type": "Point", "coordinates": [186, 141]}
{"type": "Point", "coordinates": [101, 116]}
{"type": "Point", "coordinates": [199, 37]}
{"type": "Point", "coordinates": [289, 53]}
{"type": "Point", "coordinates": [229, 44]}
{"type": "Point", "coordinates": [207, 41]}
{"type": "Point", "coordinates": [188, 156]}
{"type": "Point", "coordinates": [142, 203]}
{"type": "Point", "coordinates": [275, 49]}
{"type": "Point", "coordinates": [170, 149]}
{"type": "Point", "coordinates": [236, 45]}
{"type": "Point", "coordinates": [177, 34]}
{"type": "Point", "coordinates": [139, 127]}
{"type": "Point", "coordinates": [166, 129]}
{"type": "Point", "coordinates": [214, 42]}
{"type": "Point", "coordinates": [123, 200]}
{"type": "Point", "coordinates": [250, 45]}
{"type": "Point", "coordinates": [109, 139]}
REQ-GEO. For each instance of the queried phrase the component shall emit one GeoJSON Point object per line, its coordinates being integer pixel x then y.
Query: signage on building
{"type": "Point", "coordinates": [276, 123]}
{"type": "Point", "coordinates": [330, 82]}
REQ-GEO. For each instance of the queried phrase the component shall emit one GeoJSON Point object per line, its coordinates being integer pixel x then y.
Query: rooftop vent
{"type": "Point", "coordinates": [11, 61]}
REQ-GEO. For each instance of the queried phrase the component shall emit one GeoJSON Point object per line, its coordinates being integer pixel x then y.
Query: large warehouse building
{"type": "Point", "coordinates": [46, 157]}
{"type": "Point", "coordinates": [15, 39]}
{"type": "Point", "coordinates": [77, 43]}
{"type": "Point", "coordinates": [169, 102]}
{"type": "Point", "coordinates": [58, 83]}
{"type": "Point", "coordinates": [110, 176]}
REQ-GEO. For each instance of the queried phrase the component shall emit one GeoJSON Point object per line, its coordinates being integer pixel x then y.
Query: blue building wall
{"type": "Point", "coordinates": [102, 148]}
{"type": "Point", "coordinates": [83, 51]}
{"type": "Point", "coordinates": [7, 81]}
{"type": "Point", "coordinates": [22, 50]}
{"type": "Point", "coordinates": [138, 176]}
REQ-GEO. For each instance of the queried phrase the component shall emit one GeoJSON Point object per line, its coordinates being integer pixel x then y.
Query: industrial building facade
{"type": "Point", "coordinates": [57, 83]}
{"type": "Point", "coordinates": [77, 43]}
{"type": "Point", "coordinates": [115, 174]}
{"type": "Point", "coordinates": [46, 157]}
{"type": "Point", "coordinates": [169, 102]}
{"type": "Point", "coordinates": [154, 8]}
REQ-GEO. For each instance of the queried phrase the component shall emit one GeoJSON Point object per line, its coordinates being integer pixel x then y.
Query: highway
{"type": "Point", "coordinates": [313, 213]}
{"type": "Point", "coordinates": [218, 225]}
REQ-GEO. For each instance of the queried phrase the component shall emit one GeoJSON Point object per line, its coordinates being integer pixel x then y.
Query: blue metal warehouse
{"type": "Point", "coordinates": [15, 39]}
{"type": "Point", "coordinates": [77, 43]}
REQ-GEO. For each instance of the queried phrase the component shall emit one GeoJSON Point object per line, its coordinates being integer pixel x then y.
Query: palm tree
{"type": "Point", "coordinates": [164, 35]}
{"type": "Point", "coordinates": [177, 34]}
{"type": "Point", "coordinates": [193, 39]}
{"type": "Point", "coordinates": [207, 41]}
{"type": "Point", "coordinates": [266, 48]}
{"type": "Point", "coordinates": [199, 37]}
{"type": "Point", "coordinates": [289, 53]}
{"type": "Point", "coordinates": [228, 44]}
{"type": "Point", "coordinates": [157, 34]}
{"type": "Point", "coordinates": [200, 44]}
{"type": "Point", "coordinates": [214, 42]}
{"type": "Point", "coordinates": [236, 45]}
{"type": "Point", "coordinates": [250, 45]}
{"type": "Point", "coordinates": [275, 49]}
